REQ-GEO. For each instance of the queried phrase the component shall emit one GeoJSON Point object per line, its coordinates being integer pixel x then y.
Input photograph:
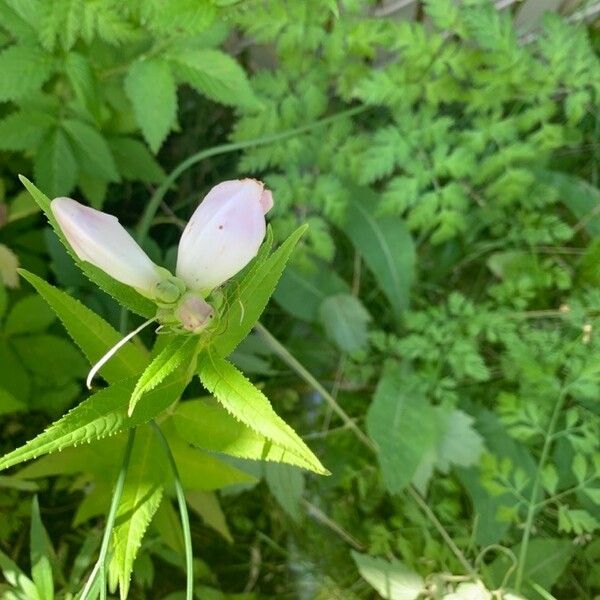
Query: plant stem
{"type": "Point", "coordinates": [100, 566]}
{"type": "Point", "coordinates": [533, 505]}
{"type": "Point", "coordinates": [294, 364]}
{"type": "Point", "coordinates": [185, 518]}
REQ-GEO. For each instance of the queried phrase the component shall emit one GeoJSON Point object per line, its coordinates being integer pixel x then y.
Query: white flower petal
{"type": "Point", "coordinates": [224, 233]}
{"type": "Point", "coordinates": [101, 240]}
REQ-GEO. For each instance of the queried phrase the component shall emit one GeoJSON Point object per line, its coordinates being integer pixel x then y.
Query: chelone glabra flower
{"type": "Point", "coordinates": [222, 237]}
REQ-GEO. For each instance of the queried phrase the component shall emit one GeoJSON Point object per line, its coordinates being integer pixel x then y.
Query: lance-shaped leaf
{"type": "Point", "coordinates": [250, 406]}
{"type": "Point", "coordinates": [252, 294]}
{"type": "Point", "coordinates": [179, 351]}
{"type": "Point", "coordinates": [209, 426]}
{"type": "Point", "coordinates": [142, 494]}
{"type": "Point", "coordinates": [101, 415]}
{"type": "Point", "coordinates": [121, 292]}
{"type": "Point", "coordinates": [91, 332]}
{"type": "Point", "coordinates": [41, 567]}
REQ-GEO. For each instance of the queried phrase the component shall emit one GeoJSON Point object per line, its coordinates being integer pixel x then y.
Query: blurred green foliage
{"type": "Point", "coordinates": [445, 295]}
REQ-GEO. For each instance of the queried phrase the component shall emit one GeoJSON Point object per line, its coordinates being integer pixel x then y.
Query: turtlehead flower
{"type": "Point", "coordinates": [222, 237]}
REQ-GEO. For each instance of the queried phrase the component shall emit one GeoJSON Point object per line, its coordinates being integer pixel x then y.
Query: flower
{"type": "Point", "coordinates": [101, 240]}
{"type": "Point", "coordinates": [224, 233]}
{"type": "Point", "coordinates": [222, 237]}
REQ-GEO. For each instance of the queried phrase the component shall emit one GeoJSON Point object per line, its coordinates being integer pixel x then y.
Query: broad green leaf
{"type": "Point", "coordinates": [206, 505]}
{"type": "Point", "coordinates": [91, 150]}
{"type": "Point", "coordinates": [580, 197]}
{"type": "Point", "coordinates": [9, 266]}
{"type": "Point", "coordinates": [9, 404]}
{"type": "Point", "coordinates": [151, 88]}
{"type": "Point", "coordinates": [214, 74]}
{"type": "Point", "coordinates": [546, 560]}
{"type": "Point", "coordinates": [22, 586]}
{"type": "Point", "coordinates": [287, 485]}
{"type": "Point", "coordinates": [142, 494]}
{"type": "Point", "coordinates": [168, 525]}
{"type": "Point", "coordinates": [54, 166]}
{"type": "Point", "coordinates": [13, 376]}
{"type": "Point", "coordinates": [46, 355]}
{"type": "Point", "coordinates": [134, 161]}
{"type": "Point", "coordinates": [386, 246]}
{"type": "Point", "coordinates": [301, 292]}
{"type": "Point", "coordinates": [24, 70]}
{"type": "Point", "coordinates": [123, 293]}
{"type": "Point", "coordinates": [23, 130]}
{"type": "Point", "coordinates": [250, 406]}
{"type": "Point", "coordinates": [200, 470]}
{"type": "Point", "coordinates": [179, 351]}
{"type": "Point", "coordinates": [460, 443]}
{"type": "Point", "coordinates": [209, 426]}
{"type": "Point", "coordinates": [252, 295]}
{"type": "Point", "coordinates": [29, 315]}
{"type": "Point", "coordinates": [402, 424]}
{"type": "Point", "coordinates": [392, 580]}
{"type": "Point", "coordinates": [345, 320]}
{"type": "Point", "coordinates": [41, 567]}
{"type": "Point", "coordinates": [91, 332]}
{"type": "Point", "coordinates": [101, 415]}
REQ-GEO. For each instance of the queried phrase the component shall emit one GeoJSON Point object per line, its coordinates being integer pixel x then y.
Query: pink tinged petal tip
{"type": "Point", "coordinates": [224, 233]}
{"type": "Point", "coordinates": [99, 238]}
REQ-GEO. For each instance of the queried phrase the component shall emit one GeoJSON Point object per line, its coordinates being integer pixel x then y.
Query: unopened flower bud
{"type": "Point", "coordinates": [194, 313]}
{"type": "Point", "coordinates": [101, 240]}
{"type": "Point", "coordinates": [224, 233]}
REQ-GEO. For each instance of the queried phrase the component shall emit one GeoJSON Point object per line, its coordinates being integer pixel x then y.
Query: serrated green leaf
{"type": "Point", "coordinates": [101, 415]}
{"type": "Point", "coordinates": [151, 88]}
{"type": "Point", "coordinates": [142, 495]}
{"type": "Point", "coordinates": [91, 332]}
{"type": "Point", "coordinates": [23, 129]}
{"type": "Point", "coordinates": [78, 69]}
{"type": "Point", "coordinates": [179, 351]}
{"type": "Point", "coordinates": [41, 567]}
{"type": "Point", "coordinates": [91, 150]}
{"type": "Point", "coordinates": [209, 426]}
{"type": "Point", "coordinates": [24, 70]}
{"type": "Point", "coordinates": [124, 294]}
{"type": "Point", "coordinates": [250, 406]}
{"type": "Point", "coordinates": [252, 295]}
{"type": "Point", "coordinates": [29, 315]}
{"type": "Point", "coordinates": [134, 161]}
{"type": "Point", "coordinates": [214, 74]}
{"type": "Point", "coordinates": [54, 166]}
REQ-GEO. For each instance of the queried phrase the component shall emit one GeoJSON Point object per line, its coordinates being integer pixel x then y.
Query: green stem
{"type": "Point", "coordinates": [100, 566]}
{"type": "Point", "coordinates": [185, 518]}
{"type": "Point", "coordinates": [297, 366]}
{"type": "Point", "coordinates": [533, 505]}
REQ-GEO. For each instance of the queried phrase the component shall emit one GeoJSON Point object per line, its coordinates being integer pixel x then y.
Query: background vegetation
{"type": "Point", "coordinates": [434, 339]}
